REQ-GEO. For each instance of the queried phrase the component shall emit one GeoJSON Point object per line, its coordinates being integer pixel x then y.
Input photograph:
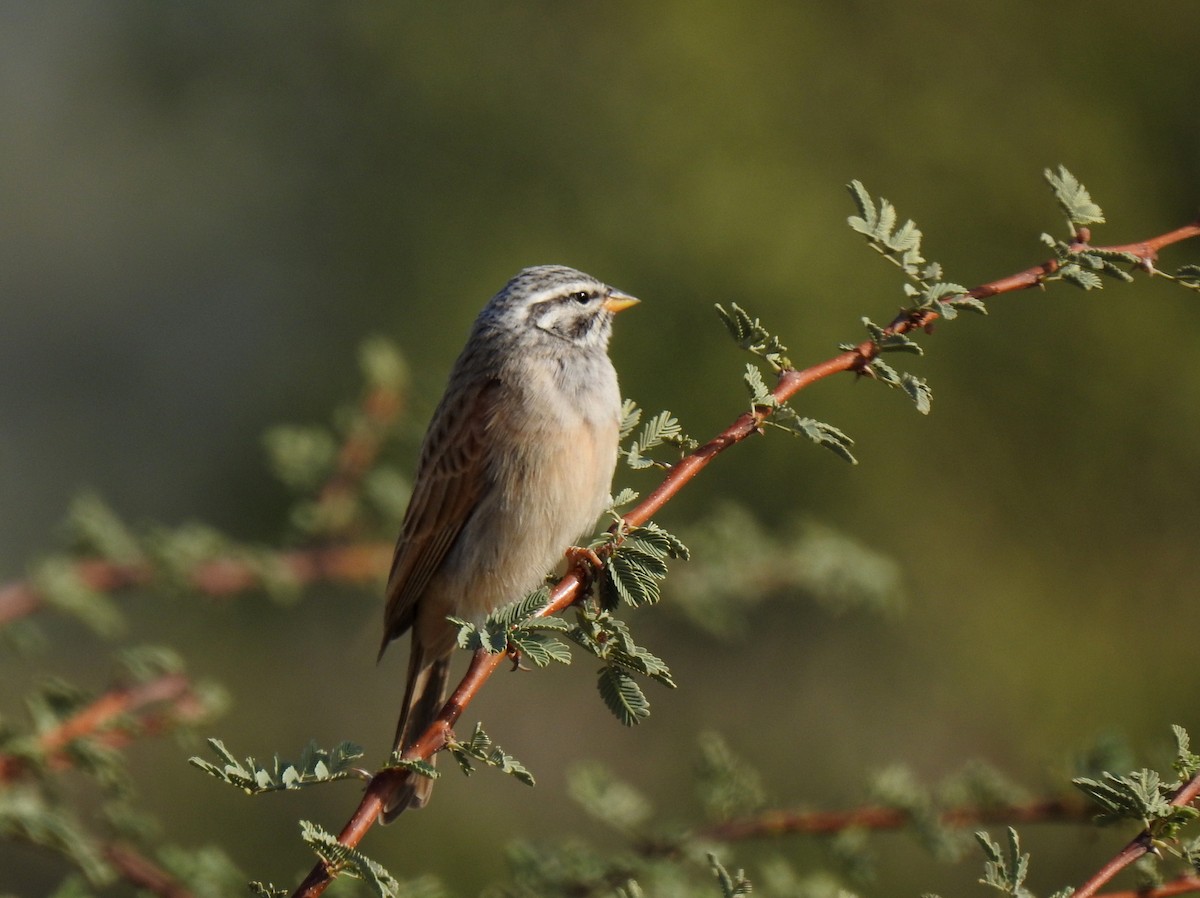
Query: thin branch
{"type": "Point", "coordinates": [145, 702]}
{"type": "Point", "coordinates": [567, 590]}
{"type": "Point", "coordinates": [378, 411]}
{"type": "Point", "coordinates": [354, 563]}
{"type": "Point", "coordinates": [1180, 886]}
{"type": "Point", "coordinates": [1137, 846]}
{"type": "Point", "coordinates": [142, 872]}
{"type": "Point", "coordinates": [770, 824]}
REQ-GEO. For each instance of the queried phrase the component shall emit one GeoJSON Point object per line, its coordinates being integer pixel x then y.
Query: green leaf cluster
{"type": "Point", "coordinates": [612, 801]}
{"type": "Point", "coordinates": [925, 291]}
{"type": "Point", "coordinates": [896, 787]}
{"type": "Point", "coordinates": [1073, 198]}
{"type": "Point", "coordinates": [661, 858]}
{"type": "Point", "coordinates": [305, 458]}
{"type": "Point", "coordinates": [1086, 268]}
{"type": "Point", "coordinates": [659, 430]}
{"type": "Point", "coordinates": [480, 748]}
{"type": "Point", "coordinates": [726, 785]}
{"type": "Point", "coordinates": [825, 435]}
{"type": "Point", "coordinates": [27, 814]}
{"type": "Point", "coordinates": [751, 336]}
{"type": "Point", "coordinates": [315, 765]}
{"type": "Point", "coordinates": [40, 771]}
{"type": "Point", "coordinates": [609, 639]}
{"type": "Point", "coordinates": [1188, 276]}
{"type": "Point", "coordinates": [341, 859]}
{"type": "Point", "coordinates": [740, 563]}
{"type": "Point", "coordinates": [518, 626]}
{"type": "Point", "coordinates": [782, 416]}
{"type": "Point", "coordinates": [1144, 795]}
{"type": "Point", "coordinates": [1005, 873]}
{"type": "Point", "coordinates": [417, 766]}
{"type": "Point", "coordinates": [877, 222]}
{"type": "Point", "coordinates": [1140, 795]}
{"type": "Point", "coordinates": [732, 885]}
{"type": "Point", "coordinates": [637, 565]}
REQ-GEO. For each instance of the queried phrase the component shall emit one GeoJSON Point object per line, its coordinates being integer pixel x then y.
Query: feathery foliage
{"type": "Point", "coordinates": [315, 765]}
{"type": "Point", "coordinates": [480, 748]}
{"type": "Point", "coordinates": [341, 496]}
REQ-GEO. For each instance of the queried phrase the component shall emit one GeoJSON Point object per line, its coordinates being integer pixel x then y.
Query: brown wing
{"type": "Point", "coordinates": [451, 478]}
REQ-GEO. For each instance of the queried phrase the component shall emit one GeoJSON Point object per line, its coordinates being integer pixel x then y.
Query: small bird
{"type": "Point", "coordinates": [517, 463]}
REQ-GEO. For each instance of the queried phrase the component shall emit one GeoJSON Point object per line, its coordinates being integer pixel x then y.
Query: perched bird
{"type": "Point", "coordinates": [517, 463]}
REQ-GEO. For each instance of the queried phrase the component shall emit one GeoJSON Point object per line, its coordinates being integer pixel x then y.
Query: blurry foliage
{"type": "Point", "coordinates": [330, 472]}
{"type": "Point", "coordinates": [208, 204]}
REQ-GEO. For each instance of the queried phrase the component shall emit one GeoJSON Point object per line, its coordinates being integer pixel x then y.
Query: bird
{"type": "Point", "coordinates": [516, 464]}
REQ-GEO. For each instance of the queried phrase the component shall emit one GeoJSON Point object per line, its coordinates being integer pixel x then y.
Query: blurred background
{"type": "Point", "coordinates": [204, 208]}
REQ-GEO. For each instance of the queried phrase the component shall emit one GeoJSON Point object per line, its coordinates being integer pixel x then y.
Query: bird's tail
{"type": "Point", "coordinates": [423, 699]}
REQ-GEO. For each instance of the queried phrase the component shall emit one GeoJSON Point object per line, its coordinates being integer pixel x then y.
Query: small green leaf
{"type": "Point", "coordinates": [867, 216]}
{"type": "Point", "coordinates": [622, 695]}
{"type": "Point", "coordinates": [732, 886]}
{"type": "Point", "coordinates": [1186, 763]}
{"type": "Point", "coordinates": [540, 648]}
{"type": "Point", "coordinates": [622, 499]}
{"type": "Point", "coordinates": [655, 539]}
{"type": "Point", "coordinates": [826, 435]}
{"type": "Point", "coordinates": [896, 342]}
{"type": "Point", "coordinates": [481, 748]}
{"type": "Point", "coordinates": [760, 393]}
{"type": "Point", "coordinates": [1073, 198]}
{"type": "Point", "coordinates": [1074, 274]}
{"type": "Point", "coordinates": [1005, 874]}
{"type": "Point", "coordinates": [918, 391]}
{"type": "Point", "coordinates": [885, 373]}
{"type": "Point", "coordinates": [342, 859]}
{"type": "Point", "coordinates": [630, 416]}
{"type": "Point", "coordinates": [316, 765]}
{"type": "Point", "coordinates": [751, 336]}
{"type": "Point", "coordinates": [1189, 276]}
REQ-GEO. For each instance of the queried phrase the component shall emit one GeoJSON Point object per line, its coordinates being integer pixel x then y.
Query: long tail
{"type": "Point", "coordinates": [423, 699]}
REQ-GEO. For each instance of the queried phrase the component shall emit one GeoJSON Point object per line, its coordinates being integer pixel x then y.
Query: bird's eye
{"type": "Point", "coordinates": [581, 297]}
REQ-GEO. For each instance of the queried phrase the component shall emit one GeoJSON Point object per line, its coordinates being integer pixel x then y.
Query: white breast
{"type": "Point", "coordinates": [553, 452]}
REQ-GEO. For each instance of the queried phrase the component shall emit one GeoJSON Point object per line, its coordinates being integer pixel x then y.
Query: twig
{"type": "Point", "coordinates": [221, 577]}
{"type": "Point", "coordinates": [1137, 846]}
{"type": "Point", "coordinates": [95, 720]}
{"type": "Point", "coordinates": [567, 589]}
{"type": "Point", "coordinates": [140, 871]}
{"type": "Point", "coordinates": [1179, 886]}
{"type": "Point", "coordinates": [218, 577]}
{"type": "Point", "coordinates": [821, 823]}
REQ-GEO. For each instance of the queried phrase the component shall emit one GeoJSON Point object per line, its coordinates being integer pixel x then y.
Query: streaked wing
{"type": "Point", "coordinates": [451, 478]}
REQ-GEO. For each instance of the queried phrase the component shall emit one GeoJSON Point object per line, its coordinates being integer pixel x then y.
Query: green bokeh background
{"type": "Point", "coordinates": [205, 207]}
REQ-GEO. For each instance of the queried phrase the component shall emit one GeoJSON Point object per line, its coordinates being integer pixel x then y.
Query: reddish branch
{"type": "Point", "coordinates": [226, 576]}
{"type": "Point", "coordinates": [218, 577]}
{"type": "Point", "coordinates": [822, 823]}
{"type": "Point", "coordinates": [114, 719]}
{"type": "Point", "coordinates": [142, 872]}
{"type": "Point", "coordinates": [1180, 886]}
{"type": "Point", "coordinates": [1139, 845]}
{"type": "Point", "coordinates": [568, 588]}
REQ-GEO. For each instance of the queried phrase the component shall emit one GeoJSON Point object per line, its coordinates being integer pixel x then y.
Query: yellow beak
{"type": "Point", "coordinates": [619, 302]}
